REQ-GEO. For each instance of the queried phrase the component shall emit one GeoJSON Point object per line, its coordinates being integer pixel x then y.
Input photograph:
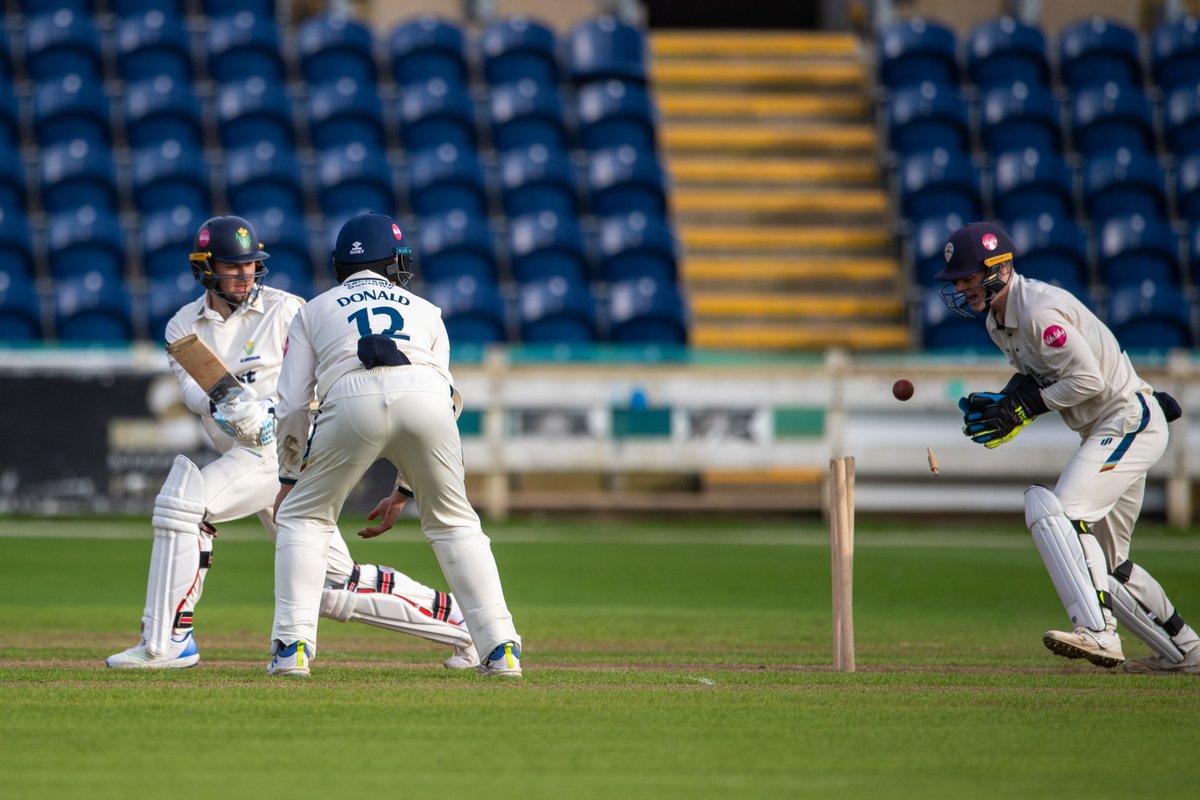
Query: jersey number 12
{"type": "Point", "coordinates": [361, 318]}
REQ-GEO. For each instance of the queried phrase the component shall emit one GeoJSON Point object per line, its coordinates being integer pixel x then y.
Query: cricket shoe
{"type": "Point", "coordinates": [181, 653]}
{"type": "Point", "coordinates": [1102, 648]}
{"type": "Point", "coordinates": [464, 657]}
{"type": "Point", "coordinates": [504, 661]}
{"type": "Point", "coordinates": [292, 661]}
{"type": "Point", "coordinates": [1158, 665]}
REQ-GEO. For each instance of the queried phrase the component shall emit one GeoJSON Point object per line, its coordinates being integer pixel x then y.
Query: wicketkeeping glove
{"type": "Point", "coordinates": [247, 419]}
{"type": "Point", "coordinates": [994, 418]}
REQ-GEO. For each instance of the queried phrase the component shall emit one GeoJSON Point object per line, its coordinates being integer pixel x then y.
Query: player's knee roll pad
{"type": "Point", "coordinates": [338, 604]}
{"type": "Point", "coordinates": [175, 557]}
{"type": "Point", "coordinates": [1058, 544]}
{"type": "Point", "coordinates": [1132, 615]}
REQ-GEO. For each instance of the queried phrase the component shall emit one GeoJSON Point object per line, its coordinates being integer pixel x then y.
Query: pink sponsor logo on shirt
{"type": "Point", "coordinates": [1054, 336]}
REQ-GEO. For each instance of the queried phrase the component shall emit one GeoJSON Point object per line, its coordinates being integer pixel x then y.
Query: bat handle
{"type": "Point", "coordinates": [225, 389]}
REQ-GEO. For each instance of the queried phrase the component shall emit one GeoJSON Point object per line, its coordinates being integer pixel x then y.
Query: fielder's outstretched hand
{"type": "Point", "coordinates": [387, 512]}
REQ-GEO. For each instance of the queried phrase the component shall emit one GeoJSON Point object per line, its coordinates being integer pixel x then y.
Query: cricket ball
{"type": "Point", "coordinates": [902, 389]}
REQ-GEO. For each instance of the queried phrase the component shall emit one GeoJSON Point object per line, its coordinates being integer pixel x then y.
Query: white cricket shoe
{"type": "Point", "coordinates": [292, 661]}
{"type": "Point", "coordinates": [504, 661]}
{"type": "Point", "coordinates": [464, 657]}
{"type": "Point", "coordinates": [182, 653]}
{"type": "Point", "coordinates": [1102, 648]}
{"type": "Point", "coordinates": [1158, 665]}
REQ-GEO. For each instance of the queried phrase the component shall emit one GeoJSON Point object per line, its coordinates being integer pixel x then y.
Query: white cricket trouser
{"type": "Point", "coordinates": [402, 414]}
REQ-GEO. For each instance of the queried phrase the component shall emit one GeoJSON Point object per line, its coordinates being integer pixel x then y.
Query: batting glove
{"type": "Point", "coordinates": [247, 419]}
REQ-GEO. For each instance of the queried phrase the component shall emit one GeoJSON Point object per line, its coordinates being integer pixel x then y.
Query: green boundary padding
{"type": "Point", "coordinates": [799, 422]}
{"type": "Point", "coordinates": [470, 423]}
{"type": "Point", "coordinates": [632, 423]}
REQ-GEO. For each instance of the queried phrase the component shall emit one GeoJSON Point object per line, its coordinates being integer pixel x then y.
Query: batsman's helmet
{"type": "Point", "coordinates": [977, 247]}
{"type": "Point", "coordinates": [230, 240]}
{"type": "Point", "coordinates": [374, 242]}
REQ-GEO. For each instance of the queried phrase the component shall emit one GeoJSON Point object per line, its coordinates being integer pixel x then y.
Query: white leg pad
{"type": "Point", "coordinates": [1062, 553]}
{"type": "Point", "coordinates": [175, 557]}
{"type": "Point", "coordinates": [1131, 614]}
{"type": "Point", "coordinates": [391, 612]}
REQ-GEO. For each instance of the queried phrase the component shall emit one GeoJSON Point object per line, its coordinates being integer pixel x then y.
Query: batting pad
{"type": "Point", "coordinates": [175, 558]}
{"type": "Point", "coordinates": [1131, 614]}
{"type": "Point", "coordinates": [391, 612]}
{"type": "Point", "coordinates": [1058, 544]}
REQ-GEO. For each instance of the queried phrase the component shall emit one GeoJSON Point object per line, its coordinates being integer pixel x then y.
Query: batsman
{"type": "Point", "coordinates": [226, 349]}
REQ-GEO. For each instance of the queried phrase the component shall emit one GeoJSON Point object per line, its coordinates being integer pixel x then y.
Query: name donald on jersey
{"type": "Point", "coordinates": [389, 293]}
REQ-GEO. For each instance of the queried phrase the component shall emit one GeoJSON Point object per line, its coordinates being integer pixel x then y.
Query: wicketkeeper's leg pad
{"type": "Point", "coordinates": [1140, 619]}
{"type": "Point", "coordinates": [175, 559]}
{"type": "Point", "coordinates": [1058, 543]}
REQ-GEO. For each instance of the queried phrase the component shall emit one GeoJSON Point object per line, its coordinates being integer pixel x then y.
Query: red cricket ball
{"type": "Point", "coordinates": [902, 389]}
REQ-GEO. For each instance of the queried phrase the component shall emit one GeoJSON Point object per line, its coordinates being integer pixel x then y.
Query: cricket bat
{"type": "Point", "coordinates": [205, 368]}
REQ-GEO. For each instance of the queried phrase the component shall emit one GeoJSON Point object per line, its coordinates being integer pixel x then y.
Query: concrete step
{"type": "Point", "coordinates": [687, 168]}
{"type": "Point", "coordinates": [697, 270]}
{"type": "Point", "coordinates": [674, 44]}
{"type": "Point", "coordinates": [707, 305]}
{"type": "Point", "coordinates": [787, 72]}
{"type": "Point", "coordinates": [792, 336]}
{"type": "Point", "coordinates": [727, 202]}
{"type": "Point", "coordinates": [856, 138]}
{"type": "Point", "coordinates": [776, 239]}
{"type": "Point", "coordinates": [743, 106]}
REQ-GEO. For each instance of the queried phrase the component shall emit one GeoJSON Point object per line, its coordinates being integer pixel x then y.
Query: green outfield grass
{"type": "Point", "coordinates": [662, 660]}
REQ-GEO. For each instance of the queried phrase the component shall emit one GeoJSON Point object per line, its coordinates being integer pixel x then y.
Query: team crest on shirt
{"type": "Point", "coordinates": [249, 348]}
{"type": "Point", "coordinates": [1054, 336]}
{"type": "Point", "coordinates": [949, 251]}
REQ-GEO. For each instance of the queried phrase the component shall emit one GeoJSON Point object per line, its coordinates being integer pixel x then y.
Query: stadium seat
{"type": "Point", "coordinates": [1181, 120]}
{"type": "Point", "coordinates": [634, 246]}
{"type": "Point", "coordinates": [1187, 187]}
{"type": "Point", "coordinates": [139, 8]}
{"type": "Point", "coordinates": [70, 108]}
{"type": "Point", "coordinates": [645, 311]}
{"type": "Point", "coordinates": [10, 117]}
{"type": "Point", "coordinates": [16, 243]}
{"type": "Point", "coordinates": [164, 297]}
{"type": "Point", "coordinates": [61, 43]}
{"type": "Point", "coordinates": [556, 311]}
{"type": "Point", "coordinates": [156, 43]}
{"type": "Point", "coordinates": [1032, 182]}
{"type": "Point", "coordinates": [170, 175]}
{"type": "Point", "coordinates": [286, 237]}
{"type": "Point", "coordinates": [928, 243]}
{"type": "Point", "coordinates": [1122, 184]}
{"type": "Point", "coordinates": [456, 246]}
{"type": "Point", "coordinates": [613, 114]}
{"type": "Point", "coordinates": [242, 46]}
{"type": "Point", "coordinates": [915, 50]}
{"type": "Point", "coordinates": [1194, 255]}
{"type": "Point", "coordinates": [264, 176]}
{"type": "Point", "coordinates": [436, 113]}
{"type": "Point", "coordinates": [1108, 117]}
{"type": "Point", "coordinates": [544, 245]}
{"type": "Point", "coordinates": [624, 180]}
{"type": "Point", "coordinates": [1019, 116]}
{"type": "Point", "coordinates": [6, 61]}
{"type": "Point", "coordinates": [605, 48]}
{"type": "Point", "coordinates": [353, 179]}
{"type": "Point", "coordinates": [78, 173]}
{"type": "Point", "coordinates": [1175, 53]}
{"type": "Point", "coordinates": [473, 310]}
{"type": "Point", "coordinates": [332, 47]}
{"type": "Point", "coordinates": [538, 179]}
{"type": "Point", "coordinates": [1148, 316]}
{"type": "Point", "coordinates": [927, 116]}
{"type": "Point", "coordinates": [13, 182]}
{"type": "Point", "coordinates": [519, 48]}
{"type": "Point", "coordinates": [162, 108]}
{"type": "Point", "coordinates": [1051, 249]}
{"type": "Point", "coordinates": [223, 8]}
{"type": "Point", "coordinates": [525, 114]}
{"type": "Point", "coordinates": [939, 183]}
{"type": "Point", "coordinates": [166, 239]}
{"type": "Point", "coordinates": [943, 331]}
{"type": "Point", "coordinates": [1134, 249]}
{"type": "Point", "coordinates": [93, 309]}
{"type": "Point", "coordinates": [447, 179]}
{"type": "Point", "coordinates": [253, 111]}
{"type": "Point", "coordinates": [428, 48]}
{"type": "Point", "coordinates": [20, 309]}
{"type": "Point", "coordinates": [1002, 51]}
{"type": "Point", "coordinates": [344, 112]}
{"type": "Point", "coordinates": [86, 239]}
{"type": "Point", "coordinates": [1097, 51]}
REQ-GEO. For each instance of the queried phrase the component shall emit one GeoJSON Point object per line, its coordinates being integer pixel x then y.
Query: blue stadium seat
{"type": "Point", "coordinates": [927, 116]}
{"type": "Point", "coordinates": [253, 111]}
{"type": "Point", "coordinates": [1181, 120]}
{"type": "Point", "coordinates": [332, 47]}
{"type": "Point", "coordinates": [447, 179]}
{"type": "Point", "coordinates": [93, 309]}
{"type": "Point", "coordinates": [164, 297]}
{"type": "Point", "coordinates": [170, 175]}
{"type": "Point", "coordinates": [538, 179]}
{"type": "Point", "coordinates": [1032, 182]}
{"type": "Point", "coordinates": [455, 246]}
{"type": "Point", "coordinates": [556, 311]}
{"type": "Point", "coordinates": [286, 237]}
{"type": "Point", "coordinates": [943, 331]}
{"type": "Point", "coordinates": [1002, 51]}
{"type": "Point", "coordinates": [166, 239]}
{"type": "Point", "coordinates": [86, 239]}
{"type": "Point", "coordinates": [345, 112]}
{"type": "Point", "coordinates": [624, 180]}
{"type": "Point", "coordinates": [1175, 53]}
{"type": "Point", "coordinates": [223, 8]}
{"type": "Point", "coordinates": [518, 48]}
{"type": "Point", "coordinates": [1194, 255]}
{"type": "Point", "coordinates": [138, 8]}
{"type": "Point", "coordinates": [1052, 249]}
{"type": "Point", "coordinates": [16, 242]}
{"type": "Point", "coordinates": [241, 46]}
{"type": "Point", "coordinates": [264, 176]}
{"type": "Point", "coordinates": [1019, 116]}
{"type": "Point", "coordinates": [13, 182]}
{"type": "Point", "coordinates": [1135, 248]}
{"type": "Point", "coordinates": [915, 50]}
{"type": "Point", "coordinates": [1108, 117]}
{"type": "Point", "coordinates": [60, 43]}
{"type": "Point", "coordinates": [163, 108]}
{"type": "Point", "coordinates": [10, 117]}
{"type": "Point", "coordinates": [78, 173]}
{"type": "Point", "coordinates": [428, 48]}
{"type": "Point", "coordinates": [68, 108]}
{"type": "Point", "coordinates": [435, 113]}
{"type": "Point", "coordinates": [1187, 187]}
{"type": "Point", "coordinates": [6, 62]}
{"type": "Point", "coordinates": [20, 309]}
{"type": "Point", "coordinates": [152, 44]}
{"type": "Point", "coordinates": [1097, 51]}
{"type": "Point", "coordinates": [545, 245]}
{"type": "Point", "coordinates": [1148, 316]}
{"type": "Point", "coordinates": [928, 245]}
{"type": "Point", "coordinates": [605, 48]}
{"type": "Point", "coordinates": [615, 113]}
{"type": "Point", "coordinates": [353, 179]}
{"type": "Point", "coordinates": [633, 246]}
{"type": "Point", "coordinates": [1122, 184]}
{"type": "Point", "coordinates": [646, 311]}
{"type": "Point", "coordinates": [525, 114]}
{"type": "Point", "coordinates": [473, 310]}
{"type": "Point", "coordinates": [939, 183]}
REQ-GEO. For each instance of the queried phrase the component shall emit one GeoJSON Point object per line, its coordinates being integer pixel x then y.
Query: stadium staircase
{"type": "Point", "coordinates": [776, 191]}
